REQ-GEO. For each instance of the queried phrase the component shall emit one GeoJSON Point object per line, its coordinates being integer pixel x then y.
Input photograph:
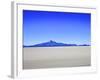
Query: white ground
{"type": "Point", "coordinates": [48, 57]}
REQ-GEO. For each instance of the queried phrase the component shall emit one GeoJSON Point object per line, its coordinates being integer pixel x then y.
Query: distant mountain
{"type": "Point", "coordinates": [52, 43]}
{"type": "Point", "coordinates": [84, 45]}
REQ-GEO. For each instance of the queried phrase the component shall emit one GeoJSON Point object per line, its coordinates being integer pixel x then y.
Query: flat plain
{"type": "Point", "coordinates": [52, 57]}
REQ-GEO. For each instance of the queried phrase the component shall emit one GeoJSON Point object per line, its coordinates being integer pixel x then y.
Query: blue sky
{"type": "Point", "coordinates": [65, 27]}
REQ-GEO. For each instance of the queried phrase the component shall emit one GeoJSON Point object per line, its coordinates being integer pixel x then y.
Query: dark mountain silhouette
{"type": "Point", "coordinates": [52, 43]}
{"type": "Point", "coordinates": [84, 45]}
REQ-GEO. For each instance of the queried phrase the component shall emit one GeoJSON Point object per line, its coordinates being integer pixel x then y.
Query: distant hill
{"type": "Point", "coordinates": [52, 43]}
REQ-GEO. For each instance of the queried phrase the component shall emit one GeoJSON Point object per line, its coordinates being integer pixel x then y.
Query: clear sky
{"type": "Point", "coordinates": [65, 27]}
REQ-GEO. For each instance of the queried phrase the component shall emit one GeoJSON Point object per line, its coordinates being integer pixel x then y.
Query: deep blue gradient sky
{"type": "Point", "coordinates": [65, 27]}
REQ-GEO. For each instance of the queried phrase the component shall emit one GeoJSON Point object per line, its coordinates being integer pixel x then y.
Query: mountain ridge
{"type": "Point", "coordinates": [52, 43]}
